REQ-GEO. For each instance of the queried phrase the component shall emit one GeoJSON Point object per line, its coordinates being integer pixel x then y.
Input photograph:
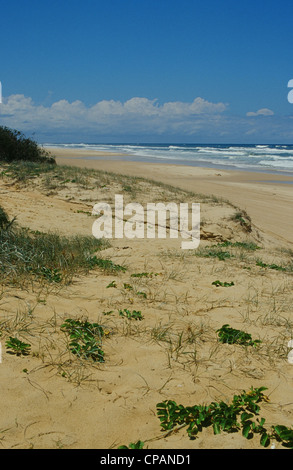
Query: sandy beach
{"type": "Point", "coordinates": [268, 198]}
{"type": "Point", "coordinates": [240, 275]}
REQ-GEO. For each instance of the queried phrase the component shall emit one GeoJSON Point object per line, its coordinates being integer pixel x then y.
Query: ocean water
{"type": "Point", "coordinates": [272, 158]}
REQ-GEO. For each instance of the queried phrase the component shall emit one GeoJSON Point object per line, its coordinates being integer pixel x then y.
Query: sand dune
{"type": "Point", "coordinates": [51, 399]}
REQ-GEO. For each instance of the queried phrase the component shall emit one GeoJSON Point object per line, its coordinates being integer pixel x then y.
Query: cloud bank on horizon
{"type": "Point", "coordinates": [143, 119]}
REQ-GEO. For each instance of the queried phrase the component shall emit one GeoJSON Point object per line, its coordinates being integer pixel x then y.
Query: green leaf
{"type": "Point", "coordinates": [217, 428]}
{"type": "Point", "coordinates": [265, 440]}
{"type": "Point", "coordinates": [18, 347]}
{"type": "Point", "coordinates": [262, 422]}
{"type": "Point", "coordinates": [245, 416]}
{"type": "Point", "coordinates": [246, 430]}
{"type": "Point", "coordinates": [279, 429]}
{"type": "Point", "coordinates": [136, 445]}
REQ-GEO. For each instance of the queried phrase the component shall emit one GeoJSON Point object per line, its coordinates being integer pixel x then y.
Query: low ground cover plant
{"type": "Point", "coordinates": [222, 284]}
{"type": "Point", "coordinates": [242, 414]}
{"type": "Point", "coordinates": [231, 335]}
{"type": "Point", "coordinates": [112, 284]}
{"type": "Point", "coordinates": [214, 252]}
{"type": "Point", "coordinates": [18, 347]}
{"type": "Point", "coordinates": [144, 274]}
{"type": "Point", "coordinates": [133, 445]}
{"type": "Point", "coordinates": [86, 339]}
{"type": "Point", "coordinates": [277, 267]}
{"type": "Point", "coordinates": [105, 264]}
{"type": "Point", "coordinates": [251, 246]}
{"type": "Point", "coordinates": [134, 315]}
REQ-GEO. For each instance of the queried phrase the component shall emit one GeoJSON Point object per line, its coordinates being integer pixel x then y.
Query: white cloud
{"type": "Point", "coordinates": [105, 108]}
{"type": "Point", "coordinates": [261, 112]}
{"type": "Point", "coordinates": [141, 106]}
{"type": "Point", "coordinates": [197, 107]}
{"type": "Point", "coordinates": [133, 115]}
{"type": "Point", "coordinates": [139, 118]}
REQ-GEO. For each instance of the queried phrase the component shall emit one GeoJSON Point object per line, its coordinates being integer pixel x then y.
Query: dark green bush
{"type": "Point", "coordinates": [15, 146]}
{"type": "Point", "coordinates": [4, 220]}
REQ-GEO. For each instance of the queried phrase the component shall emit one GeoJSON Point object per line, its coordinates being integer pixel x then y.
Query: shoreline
{"type": "Point", "coordinates": [267, 200]}
{"type": "Point", "coordinates": [86, 154]}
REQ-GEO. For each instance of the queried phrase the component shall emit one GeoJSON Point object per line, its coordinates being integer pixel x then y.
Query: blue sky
{"type": "Point", "coordinates": [147, 70]}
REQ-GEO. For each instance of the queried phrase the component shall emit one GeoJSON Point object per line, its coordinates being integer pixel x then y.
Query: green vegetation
{"type": "Point", "coordinates": [108, 312]}
{"type": "Point", "coordinates": [222, 284]}
{"type": "Point", "coordinates": [225, 417]}
{"type": "Point", "coordinates": [251, 246]}
{"type": "Point", "coordinates": [217, 251]}
{"type": "Point", "coordinates": [127, 286]}
{"type": "Point", "coordinates": [15, 346]}
{"type": "Point", "coordinates": [86, 339]}
{"type": "Point", "coordinates": [243, 219]}
{"type": "Point", "coordinates": [142, 294]}
{"type": "Point", "coordinates": [23, 171]}
{"type": "Point", "coordinates": [26, 171]}
{"type": "Point", "coordinates": [135, 315]}
{"type": "Point", "coordinates": [133, 445]}
{"type": "Point", "coordinates": [284, 435]}
{"type": "Point", "coordinates": [271, 266]}
{"type": "Point", "coordinates": [105, 264]}
{"type": "Point", "coordinates": [221, 416]}
{"type": "Point", "coordinates": [241, 415]}
{"type": "Point", "coordinates": [232, 336]}
{"type": "Point", "coordinates": [140, 275]}
{"type": "Point", "coordinates": [112, 284]}
{"type": "Point", "coordinates": [214, 253]}
{"type": "Point", "coordinates": [14, 146]}
{"type": "Point", "coordinates": [27, 255]}
{"type": "Point", "coordinates": [130, 288]}
{"type": "Point", "coordinates": [4, 220]}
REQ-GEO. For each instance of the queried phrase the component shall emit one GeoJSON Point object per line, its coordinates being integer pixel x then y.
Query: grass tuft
{"type": "Point", "coordinates": [45, 256]}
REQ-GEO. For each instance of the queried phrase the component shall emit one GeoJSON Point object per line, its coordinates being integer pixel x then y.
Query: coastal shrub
{"type": "Point", "coordinates": [15, 146]}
